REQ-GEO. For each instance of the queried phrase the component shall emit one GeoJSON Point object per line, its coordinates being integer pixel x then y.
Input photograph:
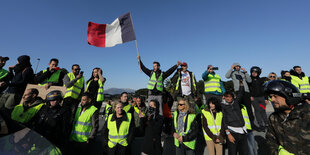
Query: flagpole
{"type": "Point", "coordinates": [138, 54]}
{"type": "Point", "coordinates": [135, 41]}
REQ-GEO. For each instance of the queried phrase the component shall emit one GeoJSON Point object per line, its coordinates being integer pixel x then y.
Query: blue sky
{"type": "Point", "coordinates": [272, 34]}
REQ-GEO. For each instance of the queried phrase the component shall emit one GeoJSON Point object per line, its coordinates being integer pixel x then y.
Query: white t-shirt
{"type": "Point", "coordinates": [185, 83]}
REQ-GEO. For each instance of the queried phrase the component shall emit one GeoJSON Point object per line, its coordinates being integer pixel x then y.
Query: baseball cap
{"type": "Point", "coordinates": [184, 64]}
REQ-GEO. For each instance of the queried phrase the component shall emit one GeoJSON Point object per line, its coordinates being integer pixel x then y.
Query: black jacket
{"type": "Point", "coordinates": [232, 114]}
{"type": "Point", "coordinates": [174, 79]}
{"type": "Point", "coordinates": [149, 73]}
{"type": "Point", "coordinates": [193, 132]}
{"type": "Point", "coordinates": [152, 138]}
{"type": "Point", "coordinates": [256, 86]}
{"type": "Point", "coordinates": [53, 123]}
{"type": "Point", "coordinates": [20, 80]}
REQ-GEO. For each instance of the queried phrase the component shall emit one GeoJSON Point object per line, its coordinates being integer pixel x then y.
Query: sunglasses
{"type": "Point", "coordinates": [181, 104]}
{"type": "Point", "coordinates": [77, 69]}
{"type": "Point", "coordinates": [272, 76]}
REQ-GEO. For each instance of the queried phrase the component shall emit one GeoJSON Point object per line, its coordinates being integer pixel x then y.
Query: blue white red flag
{"type": "Point", "coordinates": [109, 35]}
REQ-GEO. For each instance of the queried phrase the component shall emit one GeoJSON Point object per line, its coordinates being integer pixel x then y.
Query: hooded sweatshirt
{"type": "Point", "coordinates": [23, 75]}
{"type": "Point", "coordinates": [239, 75]}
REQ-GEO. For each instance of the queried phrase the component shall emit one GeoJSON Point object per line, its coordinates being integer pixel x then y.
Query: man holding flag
{"type": "Point", "coordinates": [156, 81]}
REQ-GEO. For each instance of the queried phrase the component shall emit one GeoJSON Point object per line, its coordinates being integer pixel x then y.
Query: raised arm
{"type": "Point", "coordinates": [143, 68]}
{"type": "Point", "coordinates": [171, 70]}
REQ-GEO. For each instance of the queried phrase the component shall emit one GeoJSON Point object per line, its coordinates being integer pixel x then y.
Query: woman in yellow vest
{"type": "Point", "coordinates": [213, 126]}
{"type": "Point", "coordinates": [94, 86]}
{"type": "Point", "coordinates": [118, 131]}
{"type": "Point", "coordinates": [140, 116]}
{"type": "Point", "coordinates": [185, 129]}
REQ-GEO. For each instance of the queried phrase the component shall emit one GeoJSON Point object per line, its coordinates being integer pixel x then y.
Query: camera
{"type": "Point", "coordinates": [215, 68]}
{"type": "Point", "coordinates": [81, 72]}
{"type": "Point", "coordinates": [239, 77]}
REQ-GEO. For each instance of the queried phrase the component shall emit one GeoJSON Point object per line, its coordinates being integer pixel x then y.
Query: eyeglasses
{"type": "Point", "coordinates": [76, 69]}
{"type": "Point", "coordinates": [181, 104]}
{"type": "Point", "coordinates": [272, 76]}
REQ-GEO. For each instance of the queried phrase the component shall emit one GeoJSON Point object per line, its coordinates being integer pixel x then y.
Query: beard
{"type": "Point", "coordinates": [283, 108]}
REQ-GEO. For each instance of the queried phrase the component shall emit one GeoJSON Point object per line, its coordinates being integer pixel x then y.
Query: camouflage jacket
{"type": "Point", "coordinates": [291, 131]}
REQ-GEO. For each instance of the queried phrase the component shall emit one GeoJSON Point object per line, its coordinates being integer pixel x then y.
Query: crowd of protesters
{"type": "Point", "coordinates": [70, 120]}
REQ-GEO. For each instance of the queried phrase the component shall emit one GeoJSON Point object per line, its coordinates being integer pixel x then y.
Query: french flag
{"type": "Point", "coordinates": [109, 35]}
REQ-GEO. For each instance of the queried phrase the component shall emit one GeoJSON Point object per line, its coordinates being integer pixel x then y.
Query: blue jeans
{"type": "Point", "coordinates": [183, 150]}
{"type": "Point", "coordinates": [251, 144]}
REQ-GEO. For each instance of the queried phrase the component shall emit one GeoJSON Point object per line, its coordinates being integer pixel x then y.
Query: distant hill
{"type": "Point", "coordinates": [114, 91]}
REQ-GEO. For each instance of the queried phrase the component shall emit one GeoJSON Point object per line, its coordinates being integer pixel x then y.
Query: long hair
{"type": "Point", "coordinates": [216, 102]}
{"type": "Point", "coordinates": [92, 74]}
{"type": "Point", "coordinates": [187, 108]}
{"type": "Point", "coordinates": [114, 103]}
{"type": "Point", "coordinates": [142, 101]}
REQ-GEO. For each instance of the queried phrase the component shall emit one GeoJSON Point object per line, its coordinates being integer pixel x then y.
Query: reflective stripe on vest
{"type": "Point", "coordinates": [158, 82]}
{"type": "Point", "coordinates": [246, 117]}
{"type": "Point", "coordinates": [100, 96]}
{"type": "Point", "coordinates": [118, 136]}
{"type": "Point", "coordinates": [22, 116]}
{"type": "Point", "coordinates": [213, 83]}
{"type": "Point", "coordinates": [75, 90]}
{"type": "Point", "coordinates": [301, 84]}
{"type": "Point", "coordinates": [211, 125]}
{"type": "Point", "coordinates": [54, 78]}
{"type": "Point", "coordinates": [107, 110]}
{"type": "Point", "coordinates": [179, 79]}
{"type": "Point", "coordinates": [282, 151]}
{"type": "Point", "coordinates": [137, 110]}
{"type": "Point", "coordinates": [190, 119]}
{"type": "Point", "coordinates": [3, 73]}
{"type": "Point", "coordinates": [82, 124]}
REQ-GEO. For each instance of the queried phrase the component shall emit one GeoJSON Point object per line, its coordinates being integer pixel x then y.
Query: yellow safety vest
{"type": "Point", "coordinates": [107, 109]}
{"type": "Point", "coordinates": [3, 73]}
{"type": "Point", "coordinates": [100, 96]}
{"type": "Point", "coordinates": [213, 83]}
{"type": "Point", "coordinates": [127, 107]}
{"type": "Point", "coordinates": [179, 79]}
{"type": "Point", "coordinates": [282, 151]}
{"type": "Point", "coordinates": [53, 78]}
{"type": "Point", "coordinates": [211, 125]}
{"type": "Point", "coordinates": [118, 136]}
{"type": "Point", "coordinates": [190, 119]}
{"type": "Point", "coordinates": [22, 116]}
{"type": "Point", "coordinates": [246, 118]}
{"type": "Point", "coordinates": [82, 124]}
{"type": "Point", "coordinates": [301, 84]}
{"type": "Point", "coordinates": [158, 82]}
{"type": "Point", "coordinates": [137, 110]}
{"type": "Point", "coordinates": [75, 90]}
